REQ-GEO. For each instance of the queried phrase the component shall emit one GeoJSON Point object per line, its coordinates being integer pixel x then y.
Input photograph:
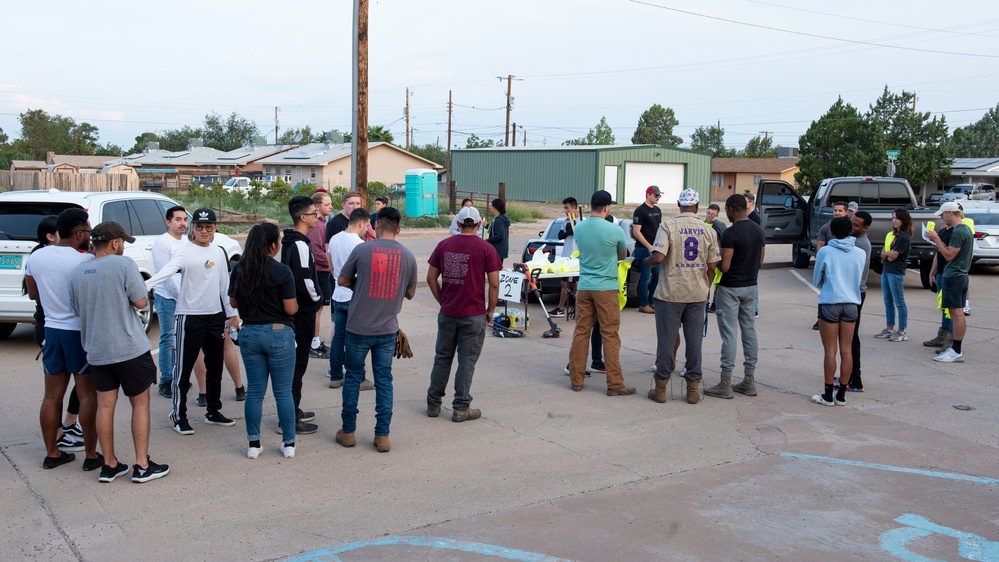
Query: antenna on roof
{"type": "Point", "coordinates": [298, 137]}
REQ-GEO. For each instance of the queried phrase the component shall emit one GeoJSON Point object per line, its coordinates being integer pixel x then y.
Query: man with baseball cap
{"type": "Point", "coordinates": [105, 292]}
{"type": "Point", "coordinates": [954, 281]}
{"type": "Point", "coordinates": [601, 244]}
{"type": "Point", "coordinates": [644, 226]}
{"type": "Point", "coordinates": [459, 266]}
{"type": "Point", "coordinates": [851, 209]}
{"type": "Point", "coordinates": [689, 247]}
{"type": "Point", "coordinates": [203, 314]}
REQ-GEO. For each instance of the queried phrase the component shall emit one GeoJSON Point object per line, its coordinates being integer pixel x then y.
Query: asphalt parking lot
{"type": "Point", "coordinates": [551, 474]}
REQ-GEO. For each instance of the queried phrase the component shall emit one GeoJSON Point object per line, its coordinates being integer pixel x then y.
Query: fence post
{"type": "Point", "coordinates": [452, 195]}
{"type": "Point", "coordinates": [502, 191]}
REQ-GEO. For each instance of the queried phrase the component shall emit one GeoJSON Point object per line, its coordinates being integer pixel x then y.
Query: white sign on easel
{"type": "Point", "coordinates": [511, 285]}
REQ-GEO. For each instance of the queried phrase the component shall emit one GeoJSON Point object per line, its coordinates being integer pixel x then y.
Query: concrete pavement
{"type": "Point", "coordinates": [553, 474]}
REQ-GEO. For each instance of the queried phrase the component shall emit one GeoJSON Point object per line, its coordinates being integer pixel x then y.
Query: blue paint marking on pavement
{"type": "Point", "coordinates": [969, 546]}
{"type": "Point", "coordinates": [330, 553]}
{"type": "Point", "coordinates": [889, 468]}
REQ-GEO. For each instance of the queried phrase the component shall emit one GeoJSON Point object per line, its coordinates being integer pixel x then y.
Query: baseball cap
{"type": "Point", "coordinates": [108, 231]}
{"type": "Point", "coordinates": [853, 206]}
{"type": "Point", "coordinates": [468, 215]}
{"type": "Point", "coordinates": [688, 198]}
{"type": "Point", "coordinates": [653, 190]}
{"type": "Point", "coordinates": [601, 199]}
{"type": "Point", "coordinates": [948, 206]}
{"type": "Point", "coordinates": [204, 215]}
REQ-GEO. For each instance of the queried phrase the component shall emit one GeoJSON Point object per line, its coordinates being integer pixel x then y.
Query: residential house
{"type": "Point", "coordinates": [245, 159]}
{"type": "Point", "coordinates": [739, 175]}
{"type": "Point", "coordinates": [328, 165]}
{"type": "Point", "coordinates": [77, 163]}
{"type": "Point", "coordinates": [28, 166]}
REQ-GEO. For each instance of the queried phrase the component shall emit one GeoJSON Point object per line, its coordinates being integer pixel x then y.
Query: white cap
{"type": "Point", "coordinates": [948, 206]}
{"type": "Point", "coordinates": [467, 213]}
{"type": "Point", "coordinates": [688, 198]}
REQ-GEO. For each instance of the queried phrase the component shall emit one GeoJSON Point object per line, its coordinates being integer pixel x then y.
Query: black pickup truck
{"type": "Point", "coordinates": [789, 218]}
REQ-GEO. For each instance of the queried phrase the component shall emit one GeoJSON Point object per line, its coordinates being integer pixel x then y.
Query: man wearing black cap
{"type": "Point", "coordinates": [105, 292]}
{"type": "Point", "coordinates": [203, 314]}
{"type": "Point", "coordinates": [601, 244]}
{"type": "Point", "coordinates": [644, 226]}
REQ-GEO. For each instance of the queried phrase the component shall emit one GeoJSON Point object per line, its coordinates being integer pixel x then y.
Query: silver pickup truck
{"type": "Point", "coordinates": [788, 218]}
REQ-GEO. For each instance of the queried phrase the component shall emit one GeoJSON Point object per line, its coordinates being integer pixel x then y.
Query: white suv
{"type": "Point", "coordinates": [141, 213]}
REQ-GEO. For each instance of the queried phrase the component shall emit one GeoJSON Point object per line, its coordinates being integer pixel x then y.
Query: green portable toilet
{"type": "Point", "coordinates": [421, 192]}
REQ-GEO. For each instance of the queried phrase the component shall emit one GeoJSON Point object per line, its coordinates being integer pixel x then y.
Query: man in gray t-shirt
{"type": "Point", "coordinates": [105, 292]}
{"type": "Point", "coordinates": [381, 273]}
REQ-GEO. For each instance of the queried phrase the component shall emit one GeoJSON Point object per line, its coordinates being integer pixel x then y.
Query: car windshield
{"type": "Point", "coordinates": [19, 221]}
{"type": "Point", "coordinates": [231, 182]}
{"type": "Point", "coordinates": [984, 219]}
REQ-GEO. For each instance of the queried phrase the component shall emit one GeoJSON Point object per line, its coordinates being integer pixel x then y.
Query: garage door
{"type": "Point", "coordinates": [640, 175]}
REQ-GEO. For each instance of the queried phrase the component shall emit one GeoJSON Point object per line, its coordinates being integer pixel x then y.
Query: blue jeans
{"type": "Point", "coordinates": [648, 277]}
{"type": "Point", "coordinates": [734, 309]}
{"type": "Point", "coordinates": [339, 313]}
{"type": "Point", "coordinates": [946, 324]}
{"type": "Point", "coordinates": [166, 311]}
{"type": "Point", "coordinates": [894, 295]}
{"type": "Point", "coordinates": [464, 336]}
{"type": "Point", "coordinates": [268, 349]}
{"type": "Point", "coordinates": [382, 349]}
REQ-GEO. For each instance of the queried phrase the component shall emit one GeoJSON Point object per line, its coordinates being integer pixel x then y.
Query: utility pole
{"type": "Point", "coordinates": [359, 140]}
{"type": "Point", "coordinates": [407, 119]}
{"type": "Point", "coordinates": [509, 106]}
{"type": "Point", "coordinates": [276, 109]}
{"type": "Point", "coordinates": [449, 108]}
{"type": "Point", "coordinates": [514, 134]}
{"type": "Point", "coordinates": [525, 137]}
{"type": "Point", "coordinates": [766, 135]}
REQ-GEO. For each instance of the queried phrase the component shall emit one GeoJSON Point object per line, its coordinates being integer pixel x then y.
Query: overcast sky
{"type": "Point", "coordinates": [753, 66]}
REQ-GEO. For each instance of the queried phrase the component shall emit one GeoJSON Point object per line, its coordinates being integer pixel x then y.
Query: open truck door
{"type": "Point", "coordinates": [783, 212]}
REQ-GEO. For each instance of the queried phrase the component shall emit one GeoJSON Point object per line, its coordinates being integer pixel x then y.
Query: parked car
{"type": "Point", "coordinates": [552, 246]}
{"type": "Point", "coordinates": [933, 199]}
{"type": "Point", "coordinates": [986, 234]}
{"type": "Point", "coordinates": [141, 213]}
{"type": "Point", "coordinates": [970, 191]}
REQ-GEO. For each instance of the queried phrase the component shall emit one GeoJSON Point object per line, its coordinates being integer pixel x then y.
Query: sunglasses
{"type": "Point", "coordinates": [204, 227]}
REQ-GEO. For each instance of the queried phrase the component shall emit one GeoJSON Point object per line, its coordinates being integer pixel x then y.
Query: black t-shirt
{"type": "Point", "coordinates": [336, 225]}
{"type": "Point", "coordinates": [746, 239]}
{"type": "Point", "coordinates": [755, 217]}
{"type": "Point", "coordinates": [280, 286]}
{"type": "Point", "coordinates": [901, 243]}
{"type": "Point", "coordinates": [649, 219]}
{"type": "Point", "coordinates": [944, 235]}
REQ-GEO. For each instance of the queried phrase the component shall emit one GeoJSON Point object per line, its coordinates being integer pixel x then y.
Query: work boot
{"type": "Point", "coordinates": [658, 392]}
{"type": "Point", "coordinates": [693, 397]}
{"type": "Point", "coordinates": [721, 390]}
{"type": "Point", "coordinates": [947, 343]}
{"type": "Point", "coordinates": [747, 386]}
{"type": "Point", "coordinates": [937, 341]}
{"type": "Point", "coordinates": [382, 443]}
{"type": "Point", "coordinates": [345, 439]}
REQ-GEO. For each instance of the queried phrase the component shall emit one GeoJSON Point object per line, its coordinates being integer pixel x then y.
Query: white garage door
{"type": "Point", "coordinates": [640, 175]}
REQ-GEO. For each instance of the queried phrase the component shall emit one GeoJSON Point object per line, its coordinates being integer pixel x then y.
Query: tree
{"type": "Point", "coordinates": [921, 140]}
{"type": "Point", "coordinates": [434, 153]}
{"type": "Point", "coordinates": [230, 134]}
{"type": "Point", "coordinates": [141, 140]}
{"type": "Point", "coordinates": [42, 133]}
{"type": "Point", "coordinates": [759, 148]}
{"type": "Point", "coordinates": [289, 136]}
{"type": "Point", "coordinates": [711, 139]}
{"type": "Point", "coordinates": [475, 142]}
{"type": "Point", "coordinates": [979, 139]}
{"type": "Point", "coordinates": [3, 137]}
{"type": "Point", "coordinates": [840, 143]}
{"type": "Point", "coordinates": [655, 126]}
{"type": "Point", "coordinates": [600, 135]}
{"type": "Point", "coordinates": [376, 133]}
{"type": "Point", "coordinates": [109, 150]}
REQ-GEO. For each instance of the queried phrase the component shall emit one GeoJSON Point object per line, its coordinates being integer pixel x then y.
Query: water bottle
{"type": "Point", "coordinates": [233, 334]}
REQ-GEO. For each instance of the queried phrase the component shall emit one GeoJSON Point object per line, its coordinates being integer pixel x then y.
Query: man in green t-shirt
{"type": "Point", "coordinates": [601, 244]}
{"type": "Point", "coordinates": [954, 282]}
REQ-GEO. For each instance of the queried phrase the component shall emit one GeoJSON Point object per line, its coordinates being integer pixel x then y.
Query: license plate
{"type": "Point", "coordinates": [10, 261]}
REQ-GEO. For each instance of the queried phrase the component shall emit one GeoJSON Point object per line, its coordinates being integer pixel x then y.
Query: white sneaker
{"type": "Point", "coordinates": [819, 400]}
{"type": "Point", "coordinates": [950, 356]}
{"type": "Point", "coordinates": [288, 451]}
{"type": "Point", "coordinates": [884, 334]}
{"type": "Point", "coordinates": [253, 452]}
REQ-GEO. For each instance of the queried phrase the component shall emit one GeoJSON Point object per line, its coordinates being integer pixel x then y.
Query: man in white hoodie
{"type": "Point", "coordinates": [201, 318]}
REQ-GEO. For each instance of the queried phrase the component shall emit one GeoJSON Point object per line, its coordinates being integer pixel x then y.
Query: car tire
{"type": "Point", "coordinates": [146, 313]}
{"type": "Point", "coordinates": [6, 329]}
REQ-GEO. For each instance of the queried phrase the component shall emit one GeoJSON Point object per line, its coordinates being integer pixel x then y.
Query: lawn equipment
{"type": "Point", "coordinates": [532, 277]}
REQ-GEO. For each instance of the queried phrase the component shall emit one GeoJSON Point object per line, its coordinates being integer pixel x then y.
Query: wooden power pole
{"type": "Point", "coordinates": [407, 119]}
{"type": "Point", "coordinates": [276, 109]}
{"type": "Point", "coordinates": [359, 140]}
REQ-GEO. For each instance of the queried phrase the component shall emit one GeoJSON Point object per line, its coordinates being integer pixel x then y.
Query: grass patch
{"type": "Point", "coordinates": [524, 214]}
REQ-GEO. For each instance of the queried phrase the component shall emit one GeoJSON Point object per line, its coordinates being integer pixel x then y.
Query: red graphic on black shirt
{"type": "Point", "coordinates": [384, 281]}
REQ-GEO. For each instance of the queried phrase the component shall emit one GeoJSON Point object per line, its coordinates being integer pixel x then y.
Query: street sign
{"type": "Point", "coordinates": [893, 154]}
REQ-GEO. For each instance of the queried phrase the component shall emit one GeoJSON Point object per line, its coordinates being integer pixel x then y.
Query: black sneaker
{"type": "Point", "coordinates": [202, 400]}
{"type": "Point", "coordinates": [166, 391]}
{"type": "Point", "coordinates": [596, 367]}
{"type": "Point", "coordinates": [318, 353]}
{"type": "Point", "coordinates": [301, 428]}
{"type": "Point", "coordinates": [151, 472]}
{"type": "Point", "coordinates": [75, 430]}
{"type": "Point", "coordinates": [94, 463]}
{"type": "Point", "coordinates": [109, 473]}
{"type": "Point", "coordinates": [63, 458]}
{"type": "Point", "coordinates": [711, 308]}
{"type": "Point", "coordinates": [241, 394]}
{"type": "Point", "coordinates": [68, 444]}
{"type": "Point", "coordinates": [183, 427]}
{"type": "Point", "coordinates": [304, 416]}
{"type": "Point", "coordinates": [216, 418]}
{"type": "Point", "coordinates": [557, 313]}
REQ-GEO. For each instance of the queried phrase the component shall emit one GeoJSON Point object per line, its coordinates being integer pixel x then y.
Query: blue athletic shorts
{"type": "Point", "coordinates": [839, 312]}
{"type": "Point", "coordinates": [954, 291]}
{"type": "Point", "coordinates": [64, 353]}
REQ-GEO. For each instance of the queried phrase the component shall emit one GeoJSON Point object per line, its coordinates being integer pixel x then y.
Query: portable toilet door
{"type": "Point", "coordinates": [421, 192]}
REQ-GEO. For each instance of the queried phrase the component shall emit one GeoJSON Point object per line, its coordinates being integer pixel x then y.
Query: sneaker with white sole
{"type": "Point", "coordinates": [253, 452]}
{"type": "Point", "coordinates": [899, 335]}
{"type": "Point", "coordinates": [566, 370]}
{"type": "Point", "coordinates": [75, 430]}
{"type": "Point", "coordinates": [109, 473]}
{"type": "Point", "coordinates": [216, 418]}
{"type": "Point", "coordinates": [151, 472]}
{"type": "Point", "coordinates": [884, 334]}
{"type": "Point", "coordinates": [288, 450]}
{"type": "Point", "coordinates": [950, 356]}
{"type": "Point", "coordinates": [596, 367]}
{"type": "Point", "coordinates": [557, 313]}
{"type": "Point", "coordinates": [818, 399]}
{"type": "Point", "coordinates": [183, 427]}
{"type": "Point", "coordinates": [69, 444]}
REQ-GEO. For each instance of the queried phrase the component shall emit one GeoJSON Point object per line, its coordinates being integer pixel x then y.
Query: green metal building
{"type": "Point", "coordinates": [536, 173]}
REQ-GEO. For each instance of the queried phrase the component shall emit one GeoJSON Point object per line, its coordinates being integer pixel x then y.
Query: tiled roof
{"type": "Point", "coordinates": [752, 165]}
